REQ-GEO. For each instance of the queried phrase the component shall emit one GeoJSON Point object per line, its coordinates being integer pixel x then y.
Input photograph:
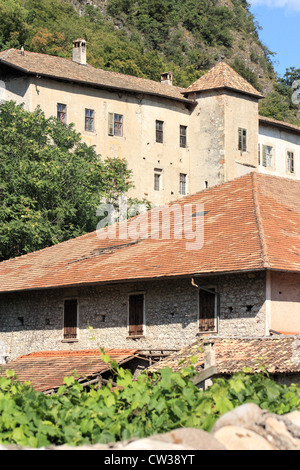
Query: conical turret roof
{"type": "Point", "coordinates": [223, 76]}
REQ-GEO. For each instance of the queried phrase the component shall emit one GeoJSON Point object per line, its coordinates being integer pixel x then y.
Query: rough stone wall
{"type": "Point", "coordinates": [33, 321]}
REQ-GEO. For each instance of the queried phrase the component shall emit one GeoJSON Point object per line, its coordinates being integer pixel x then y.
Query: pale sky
{"type": "Point", "coordinates": [280, 33]}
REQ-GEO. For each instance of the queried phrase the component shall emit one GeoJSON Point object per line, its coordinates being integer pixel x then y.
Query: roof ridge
{"type": "Point", "coordinates": [259, 222]}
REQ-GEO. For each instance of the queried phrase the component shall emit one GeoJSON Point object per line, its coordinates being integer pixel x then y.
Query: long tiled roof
{"type": "Point", "coordinates": [276, 354]}
{"type": "Point", "coordinates": [250, 223]}
{"type": "Point", "coordinates": [46, 370]}
{"type": "Point", "coordinates": [222, 76]}
{"type": "Point", "coordinates": [60, 68]}
{"type": "Point", "coordinates": [281, 124]}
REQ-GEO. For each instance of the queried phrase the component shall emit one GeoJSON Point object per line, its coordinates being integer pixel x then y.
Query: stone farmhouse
{"type": "Point", "coordinates": [224, 261]}
{"type": "Point", "coordinates": [176, 141]}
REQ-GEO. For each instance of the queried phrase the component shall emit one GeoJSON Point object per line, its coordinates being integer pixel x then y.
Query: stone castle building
{"type": "Point", "coordinates": [176, 141]}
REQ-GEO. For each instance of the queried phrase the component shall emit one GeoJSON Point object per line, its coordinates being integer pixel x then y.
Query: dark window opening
{"type": "Point", "coordinates": [70, 319]}
{"type": "Point", "coordinates": [207, 310]}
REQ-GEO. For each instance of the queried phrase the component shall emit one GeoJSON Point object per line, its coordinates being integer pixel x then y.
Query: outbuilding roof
{"type": "Point", "coordinates": [247, 224]}
{"type": "Point", "coordinates": [275, 354]}
{"type": "Point", "coordinates": [46, 370]}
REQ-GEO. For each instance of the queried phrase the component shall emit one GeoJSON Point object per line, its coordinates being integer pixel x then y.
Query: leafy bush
{"type": "Point", "coordinates": [135, 408]}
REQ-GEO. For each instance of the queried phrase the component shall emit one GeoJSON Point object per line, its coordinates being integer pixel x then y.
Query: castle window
{"type": "Point", "coordinates": [290, 162]}
{"type": "Point", "coordinates": [89, 122]}
{"type": "Point", "coordinates": [62, 112]}
{"type": "Point", "coordinates": [136, 315]}
{"type": "Point", "coordinates": [207, 310]}
{"type": "Point", "coordinates": [115, 124]}
{"type": "Point", "coordinates": [267, 156]}
{"type": "Point", "coordinates": [182, 137]}
{"type": "Point", "coordinates": [242, 140]}
{"type": "Point", "coordinates": [157, 179]}
{"type": "Point", "coordinates": [182, 183]}
{"type": "Point", "coordinates": [159, 131]}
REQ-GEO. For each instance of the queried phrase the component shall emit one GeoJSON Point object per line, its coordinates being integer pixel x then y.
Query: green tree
{"type": "Point", "coordinates": [51, 183]}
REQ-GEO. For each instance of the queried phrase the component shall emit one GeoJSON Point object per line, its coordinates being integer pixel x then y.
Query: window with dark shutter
{"type": "Point", "coordinates": [136, 315]}
{"type": "Point", "coordinates": [70, 319]}
{"type": "Point", "coordinates": [207, 310]}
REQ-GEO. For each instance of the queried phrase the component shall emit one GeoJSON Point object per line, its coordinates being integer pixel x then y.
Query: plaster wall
{"type": "Point", "coordinates": [241, 112]}
{"type": "Point", "coordinates": [285, 302]}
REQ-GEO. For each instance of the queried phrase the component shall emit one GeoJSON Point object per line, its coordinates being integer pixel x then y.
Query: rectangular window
{"type": "Point", "coordinates": [290, 162]}
{"type": "Point", "coordinates": [89, 122]}
{"type": "Point", "coordinates": [242, 140]}
{"type": "Point", "coordinates": [159, 131]}
{"type": "Point", "coordinates": [157, 179]}
{"type": "Point", "coordinates": [62, 112]}
{"type": "Point", "coordinates": [267, 154]}
{"type": "Point", "coordinates": [207, 310]}
{"type": "Point", "coordinates": [182, 137]}
{"type": "Point", "coordinates": [182, 184]}
{"type": "Point", "coordinates": [115, 124]}
{"type": "Point", "coordinates": [136, 315]}
{"type": "Point", "coordinates": [70, 318]}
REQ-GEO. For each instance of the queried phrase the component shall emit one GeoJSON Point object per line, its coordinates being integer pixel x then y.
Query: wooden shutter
{"type": "Point", "coordinates": [70, 319]}
{"type": "Point", "coordinates": [136, 314]}
{"type": "Point", "coordinates": [110, 123]}
{"type": "Point", "coordinates": [207, 305]}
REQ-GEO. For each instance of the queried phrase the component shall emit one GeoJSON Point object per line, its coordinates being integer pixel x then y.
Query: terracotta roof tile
{"type": "Point", "coordinates": [280, 124]}
{"type": "Point", "coordinates": [277, 354]}
{"type": "Point", "coordinates": [250, 223]}
{"type": "Point", "coordinates": [46, 370]}
{"type": "Point", "coordinates": [66, 69]}
{"type": "Point", "coordinates": [222, 76]}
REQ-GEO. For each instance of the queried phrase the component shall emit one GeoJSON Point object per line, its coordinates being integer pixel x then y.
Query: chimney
{"type": "Point", "coordinates": [166, 78]}
{"type": "Point", "coordinates": [79, 51]}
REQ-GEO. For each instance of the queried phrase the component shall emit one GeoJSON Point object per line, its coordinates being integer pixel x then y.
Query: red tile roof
{"type": "Point", "coordinates": [277, 354]}
{"type": "Point", "coordinates": [46, 370]}
{"type": "Point", "coordinates": [222, 76]}
{"type": "Point", "coordinates": [281, 124]}
{"type": "Point", "coordinates": [250, 223]}
{"type": "Point", "coordinates": [59, 68]}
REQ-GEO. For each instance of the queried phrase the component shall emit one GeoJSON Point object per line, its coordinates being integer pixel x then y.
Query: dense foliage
{"type": "Point", "coordinates": [136, 408]}
{"type": "Point", "coordinates": [51, 182]}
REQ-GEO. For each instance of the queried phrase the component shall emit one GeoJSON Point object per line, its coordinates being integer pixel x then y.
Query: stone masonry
{"type": "Point", "coordinates": [33, 321]}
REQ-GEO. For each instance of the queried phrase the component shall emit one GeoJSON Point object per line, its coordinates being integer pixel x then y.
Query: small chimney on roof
{"type": "Point", "coordinates": [22, 50]}
{"type": "Point", "coordinates": [79, 51]}
{"type": "Point", "coordinates": [166, 78]}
